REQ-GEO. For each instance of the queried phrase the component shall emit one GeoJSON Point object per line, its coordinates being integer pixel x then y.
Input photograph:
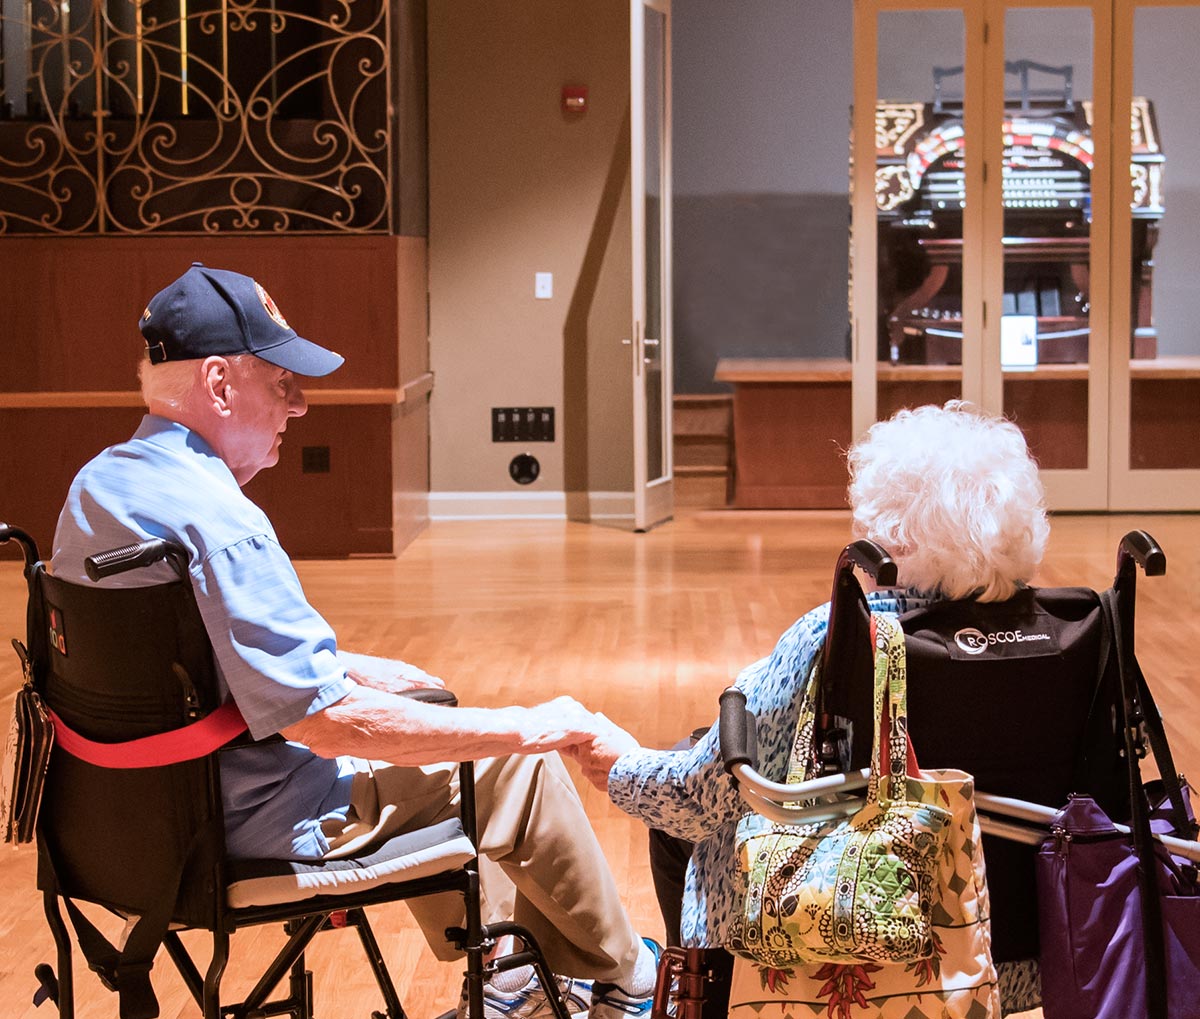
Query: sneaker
{"type": "Point", "coordinates": [610, 1001]}
{"type": "Point", "coordinates": [529, 1002]}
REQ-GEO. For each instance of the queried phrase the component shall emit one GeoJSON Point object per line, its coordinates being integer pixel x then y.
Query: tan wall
{"type": "Point", "coordinates": [518, 187]}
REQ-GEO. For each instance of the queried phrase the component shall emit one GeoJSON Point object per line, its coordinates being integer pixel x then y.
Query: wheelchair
{"type": "Point", "coordinates": [1053, 728]}
{"type": "Point", "coordinates": [128, 676]}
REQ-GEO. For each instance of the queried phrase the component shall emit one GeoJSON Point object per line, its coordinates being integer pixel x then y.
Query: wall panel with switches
{"type": "Point", "coordinates": [522, 424]}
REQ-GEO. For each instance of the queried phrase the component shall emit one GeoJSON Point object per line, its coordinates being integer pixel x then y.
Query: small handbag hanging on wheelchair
{"type": "Point", "coordinates": [1119, 915]}
{"type": "Point", "coordinates": [26, 758]}
{"type": "Point", "coordinates": [30, 735]}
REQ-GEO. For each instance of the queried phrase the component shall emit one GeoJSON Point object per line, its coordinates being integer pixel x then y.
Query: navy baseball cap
{"type": "Point", "coordinates": [215, 311]}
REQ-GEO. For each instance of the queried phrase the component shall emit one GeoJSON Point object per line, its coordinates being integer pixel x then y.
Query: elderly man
{"type": "Point", "coordinates": [361, 763]}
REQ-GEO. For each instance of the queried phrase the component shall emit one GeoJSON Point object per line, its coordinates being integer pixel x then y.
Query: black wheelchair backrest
{"type": "Point", "coordinates": [117, 665]}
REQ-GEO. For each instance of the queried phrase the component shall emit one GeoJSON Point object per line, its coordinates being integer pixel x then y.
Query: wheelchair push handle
{"type": "Point", "coordinates": [738, 731]}
{"type": "Point", "coordinates": [132, 557]}
{"type": "Point", "coordinates": [870, 558]}
{"type": "Point", "coordinates": [1139, 547]}
{"type": "Point", "coordinates": [873, 561]}
{"type": "Point", "coordinates": [28, 546]}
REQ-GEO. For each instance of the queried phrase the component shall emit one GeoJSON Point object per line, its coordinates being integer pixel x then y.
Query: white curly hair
{"type": "Point", "coordinates": [954, 496]}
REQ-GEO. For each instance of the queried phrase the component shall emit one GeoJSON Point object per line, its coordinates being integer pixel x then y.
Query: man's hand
{"type": "Point", "coordinates": [597, 756]}
{"type": "Point", "coordinates": [386, 674]}
{"type": "Point", "coordinates": [555, 725]}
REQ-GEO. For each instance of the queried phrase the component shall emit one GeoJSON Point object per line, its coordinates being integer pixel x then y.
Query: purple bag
{"type": "Point", "coordinates": [1090, 912]}
{"type": "Point", "coordinates": [1119, 916]}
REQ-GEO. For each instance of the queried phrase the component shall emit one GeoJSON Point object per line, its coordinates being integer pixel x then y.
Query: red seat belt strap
{"type": "Point", "coordinates": [199, 739]}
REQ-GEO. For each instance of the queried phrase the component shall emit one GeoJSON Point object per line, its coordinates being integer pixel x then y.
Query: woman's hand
{"type": "Point", "coordinates": [597, 756]}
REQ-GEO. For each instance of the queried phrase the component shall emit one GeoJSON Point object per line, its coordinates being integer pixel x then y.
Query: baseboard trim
{"type": "Point", "coordinates": [607, 507]}
{"type": "Point", "coordinates": [497, 506]}
{"type": "Point", "coordinates": [598, 506]}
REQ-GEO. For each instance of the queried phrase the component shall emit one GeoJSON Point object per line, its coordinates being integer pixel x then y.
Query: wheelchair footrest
{"type": "Point", "coordinates": [47, 985]}
{"type": "Point", "coordinates": [504, 963]}
{"type": "Point", "coordinates": [529, 954]}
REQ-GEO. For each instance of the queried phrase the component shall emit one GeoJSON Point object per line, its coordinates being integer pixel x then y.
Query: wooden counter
{"type": "Point", "coordinates": [786, 369]}
{"type": "Point", "coordinates": [791, 419]}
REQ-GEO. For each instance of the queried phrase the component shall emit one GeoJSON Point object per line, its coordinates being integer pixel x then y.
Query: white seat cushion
{"type": "Point", "coordinates": [427, 851]}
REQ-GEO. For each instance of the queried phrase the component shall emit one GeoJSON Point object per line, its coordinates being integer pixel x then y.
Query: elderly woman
{"type": "Point", "coordinates": [955, 497]}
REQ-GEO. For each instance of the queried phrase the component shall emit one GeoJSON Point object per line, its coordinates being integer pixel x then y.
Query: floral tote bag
{"type": "Point", "coordinates": [957, 979]}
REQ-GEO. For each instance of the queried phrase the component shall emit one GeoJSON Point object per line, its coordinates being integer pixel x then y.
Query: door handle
{"type": "Point", "coordinates": [638, 344]}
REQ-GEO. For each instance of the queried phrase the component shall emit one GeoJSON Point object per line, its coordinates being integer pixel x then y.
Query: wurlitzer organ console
{"type": "Point", "coordinates": [1048, 160]}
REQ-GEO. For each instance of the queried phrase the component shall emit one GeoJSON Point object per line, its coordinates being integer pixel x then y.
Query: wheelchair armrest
{"type": "Point", "coordinates": [432, 695]}
{"type": "Point", "coordinates": [131, 557]}
{"type": "Point", "coordinates": [738, 731]}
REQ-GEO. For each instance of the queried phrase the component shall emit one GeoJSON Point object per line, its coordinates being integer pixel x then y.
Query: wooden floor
{"type": "Point", "coordinates": [647, 628]}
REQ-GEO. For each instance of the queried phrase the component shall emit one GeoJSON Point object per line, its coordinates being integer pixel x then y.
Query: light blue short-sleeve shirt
{"type": "Point", "coordinates": [275, 655]}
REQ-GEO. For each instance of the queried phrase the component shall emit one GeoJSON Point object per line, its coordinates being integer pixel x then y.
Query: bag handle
{"type": "Point", "coordinates": [1139, 703]}
{"type": "Point", "coordinates": [1185, 827]}
{"type": "Point", "coordinates": [1139, 823]}
{"type": "Point", "coordinates": [892, 761]}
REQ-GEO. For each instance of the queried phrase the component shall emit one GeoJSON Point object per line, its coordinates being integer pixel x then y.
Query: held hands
{"type": "Point", "coordinates": [561, 724]}
{"type": "Point", "coordinates": [597, 755]}
{"type": "Point", "coordinates": [589, 738]}
{"type": "Point", "coordinates": [556, 725]}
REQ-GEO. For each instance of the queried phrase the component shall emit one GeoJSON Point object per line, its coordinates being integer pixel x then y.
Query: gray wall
{"type": "Point", "coordinates": [761, 119]}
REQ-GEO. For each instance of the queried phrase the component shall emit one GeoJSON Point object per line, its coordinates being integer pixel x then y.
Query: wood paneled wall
{"type": "Point", "coordinates": [69, 349]}
{"type": "Point", "coordinates": [792, 420]}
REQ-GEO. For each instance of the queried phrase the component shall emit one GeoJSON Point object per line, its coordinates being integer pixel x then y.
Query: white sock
{"type": "Point", "coordinates": [641, 984]}
{"type": "Point", "coordinates": [512, 980]}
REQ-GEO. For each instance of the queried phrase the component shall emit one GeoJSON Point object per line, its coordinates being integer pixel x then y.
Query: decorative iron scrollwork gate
{"type": "Point", "coordinates": [195, 116]}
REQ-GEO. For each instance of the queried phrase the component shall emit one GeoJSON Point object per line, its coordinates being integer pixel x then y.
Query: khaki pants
{"type": "Point", "coordinates": [539, 865]}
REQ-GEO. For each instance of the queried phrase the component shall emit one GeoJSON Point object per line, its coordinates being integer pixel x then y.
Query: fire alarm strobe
{"type": "Point", "coordinates": [524, 469]}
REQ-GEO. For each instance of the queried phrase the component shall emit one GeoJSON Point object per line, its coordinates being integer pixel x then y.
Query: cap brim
{"type": "Point", "coordinates": [302, 357]}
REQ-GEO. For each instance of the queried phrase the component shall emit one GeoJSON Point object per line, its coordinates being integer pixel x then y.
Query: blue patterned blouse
{"type": "Point", "coordinates": [687, 793]}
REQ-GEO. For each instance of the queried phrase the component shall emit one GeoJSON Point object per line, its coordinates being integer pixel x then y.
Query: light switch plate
{"type": "Point", "coordinates": [543, 285]}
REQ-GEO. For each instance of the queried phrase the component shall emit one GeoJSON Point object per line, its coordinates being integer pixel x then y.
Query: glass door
{"type": "Point", "coordinates": [650, 347]}
{"type": "Point", "coordinates": [1068, 285]}
{"type": "Point", "coordinates": [916, 250]}
{"type": "Point", "coordinates": [1155, 356]}
{"type": "Point", "coordinates": [920, 199]}
{"type": "Point", "coordinates": [1047, 229]}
